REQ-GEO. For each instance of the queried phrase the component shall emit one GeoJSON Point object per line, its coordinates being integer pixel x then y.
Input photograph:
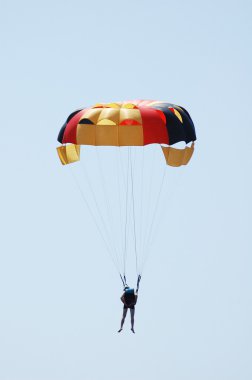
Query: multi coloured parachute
{"type": "Point", "coordinates": [128, 125]}
{"type": "Point", "coordinates": [135, 123]}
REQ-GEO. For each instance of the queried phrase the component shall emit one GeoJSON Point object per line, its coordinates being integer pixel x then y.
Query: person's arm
{"type": "Point", "coordinates": [136, 296]}
{"type": "Point", "coordinates": [122, 299]}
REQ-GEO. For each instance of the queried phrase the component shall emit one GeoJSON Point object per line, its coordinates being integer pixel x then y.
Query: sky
{"type": "Point", "coordinates": [59, 291]}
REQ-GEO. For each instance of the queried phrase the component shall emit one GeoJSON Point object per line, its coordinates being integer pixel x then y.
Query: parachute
{"type": "Point", "coordinates": [129, 126]}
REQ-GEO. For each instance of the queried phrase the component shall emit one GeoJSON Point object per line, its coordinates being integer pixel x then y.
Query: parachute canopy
{"type": "Point", "coordinates": [131, 123]}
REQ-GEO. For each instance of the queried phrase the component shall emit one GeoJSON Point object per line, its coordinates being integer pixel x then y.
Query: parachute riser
{"type": "Point", "coordinates": [124, 281]}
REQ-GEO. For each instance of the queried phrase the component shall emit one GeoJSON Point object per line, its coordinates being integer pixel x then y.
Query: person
{"type": "Point", "coordinates": [129, 300]}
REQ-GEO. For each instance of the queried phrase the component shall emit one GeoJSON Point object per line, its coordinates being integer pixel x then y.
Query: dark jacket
{"type": "Point", "coordinates": [129, 299]}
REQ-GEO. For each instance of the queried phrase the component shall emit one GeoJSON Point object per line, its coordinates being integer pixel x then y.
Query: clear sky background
{"type": "Point", "coordinates": [59, 292]}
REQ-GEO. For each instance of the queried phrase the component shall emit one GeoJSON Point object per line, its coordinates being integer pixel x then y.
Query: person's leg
{"type": "Point", "coordinates": [132, 314]}
{"type": "Point", "coordinates": [125, 309]}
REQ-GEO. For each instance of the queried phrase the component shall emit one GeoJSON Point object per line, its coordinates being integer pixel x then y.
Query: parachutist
{"type": "Point", "coordinates": [129, 299]}
{"type": "Point", "coordinates": [132, 124]}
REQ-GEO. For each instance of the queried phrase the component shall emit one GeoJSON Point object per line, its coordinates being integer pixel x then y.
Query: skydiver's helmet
{"type": "Point", "coordinates": [129, 290]}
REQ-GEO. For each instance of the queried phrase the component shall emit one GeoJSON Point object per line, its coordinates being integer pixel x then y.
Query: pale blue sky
{"type": "Point", "coordinates": [59, 296]}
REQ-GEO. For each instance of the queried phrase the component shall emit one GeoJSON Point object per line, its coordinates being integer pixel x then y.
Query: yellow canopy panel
{"type": "Point", "coordinates": [69, 153]}
{"type": "Point", "coordinates": [178, 157]}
